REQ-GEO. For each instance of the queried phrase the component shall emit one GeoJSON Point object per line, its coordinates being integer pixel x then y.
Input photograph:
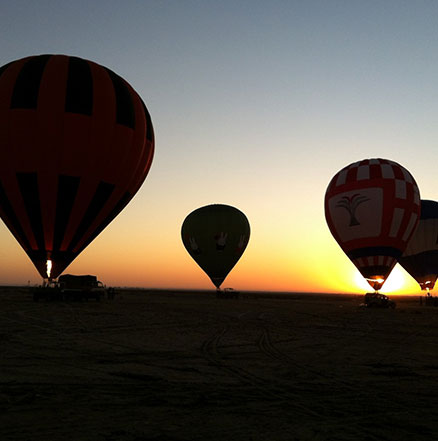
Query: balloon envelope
{"type": "Point", "coordinates": [76, 143]}
{"type": "Point", "coordinates": [216, 236]}
{"type": "Point", "coordinates": [420, 258]}
{"type": "Point", "coordinates": [372, 208]}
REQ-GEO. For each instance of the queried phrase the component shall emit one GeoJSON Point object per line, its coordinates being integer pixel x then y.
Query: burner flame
{"type": "Point", "coordinates": [49, 268]}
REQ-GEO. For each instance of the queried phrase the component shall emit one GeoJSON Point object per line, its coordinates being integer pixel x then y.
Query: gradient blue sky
{"type": "Point", "coordinates": [255, 104]}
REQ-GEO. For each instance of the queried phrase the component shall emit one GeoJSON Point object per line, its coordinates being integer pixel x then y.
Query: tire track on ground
{"type": "Point", "coordinates": [51, 328]}
{"type": "Point", "coordinates": [265, 345]}
{"type": "Point", "coordinates": [268, 389]}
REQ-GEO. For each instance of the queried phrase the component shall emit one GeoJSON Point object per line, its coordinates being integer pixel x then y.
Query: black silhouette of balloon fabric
{"type": "Point", "coordinates": [216, 237]}
{"type": "Point", "coordinates": [76, 143]}
{"type": "Point", "coordinates": [420, 258]}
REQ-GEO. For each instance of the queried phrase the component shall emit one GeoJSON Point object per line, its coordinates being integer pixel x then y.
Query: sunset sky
{"type": "Point", "coordinates": [255, 104]}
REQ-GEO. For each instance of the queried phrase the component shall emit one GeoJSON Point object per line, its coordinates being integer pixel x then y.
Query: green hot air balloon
{"type": "Point", "coordinates": [216, 236]}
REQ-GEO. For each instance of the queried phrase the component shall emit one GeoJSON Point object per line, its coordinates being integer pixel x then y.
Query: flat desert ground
{"type": "Point", "coordinates": [162, 365]}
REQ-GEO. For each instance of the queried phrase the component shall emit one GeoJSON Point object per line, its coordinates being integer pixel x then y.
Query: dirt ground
{"type": "Point", "coordinates": [188, 366]}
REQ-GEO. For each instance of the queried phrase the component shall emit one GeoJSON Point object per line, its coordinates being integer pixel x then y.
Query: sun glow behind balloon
{"type": "Point", "coordinates": [395, 282]}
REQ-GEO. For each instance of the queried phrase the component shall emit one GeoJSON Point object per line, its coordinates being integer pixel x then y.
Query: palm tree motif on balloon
{"type": "Point", "coordinates": [351, 204]}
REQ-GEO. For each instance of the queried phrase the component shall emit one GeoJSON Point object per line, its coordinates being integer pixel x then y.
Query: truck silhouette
{"type": "Point", "coordinates": [71, 287]}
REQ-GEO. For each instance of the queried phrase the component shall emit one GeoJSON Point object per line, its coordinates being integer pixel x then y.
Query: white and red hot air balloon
{"type": "Point", "coordinates": [372, 208]}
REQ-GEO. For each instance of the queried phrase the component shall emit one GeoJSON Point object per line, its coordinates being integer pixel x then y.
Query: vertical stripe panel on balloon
{"type": "Point", "coordinates": [396, 222]}
{"type": "Point", "coordinates": [99, 200]}
{"type": "Point", "coordinates": [375, 171]}
{"type": "Point", "coordinates": [11, 220]}
{"type": "Point", "coordinates": [411, 226]}
{"type": "Point", "coordinates": [342, 177]}
{"type": "Point", "coordinates": [7, 81]}
{"type": "Point", "coordinates": [66, 193]}
{"type": "Point", "coordinates": [363, 172]}
{"type": "Point", "coordinates": [124, 107]}
{"type": "Point", "coordinates": [22, 121]}
{"type": "Point", "coordinates": [79, 87]}
{"type": "Point", "coordinates": [124, 133]}
{"type": "Point", "coordinates": [114, 212]}
{"type": "Point", "coordinates": [50, 117]}
{"type": "Point", "coordinates": [28, 184]}
{"type": "Point", "coordinates": [3, 68]}
{"type": "Point", "coordinates": [118, 146]}
{"type": "Point", "coordinates": [106, 158]}
{"type": "Point", "coordinates": [142, 139]}
{"type": "Point", "coordinates": [77, 118]}
{"type": "Point", "coordinates": [27, 84]}
{"type": "Point", "coordinates": [87, 141]}
{"type": "Point", "coordinates": [13, 194]}
{"type": "Point", "coordinates": [387, 172]}
{"type": "Point", "coordinates": [400, 189]}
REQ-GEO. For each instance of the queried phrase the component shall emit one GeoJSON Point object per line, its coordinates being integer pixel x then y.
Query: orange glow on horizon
{"type": "Point", "coordinates": [398, 282]}
{"type": "Point", "coordinates": [274, 261]}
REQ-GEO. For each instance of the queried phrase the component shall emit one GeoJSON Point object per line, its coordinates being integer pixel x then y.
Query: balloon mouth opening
{"type": "Point", "coordinates": [49, 268]}
{"type": "Point", "coordinates": [427, 285]}
{"type": "Point", "coordinates": [376, 282]}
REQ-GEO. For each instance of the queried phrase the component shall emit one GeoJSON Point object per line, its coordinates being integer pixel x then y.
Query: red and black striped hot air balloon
{"type": "Point", "coordinates": [372, 208]}
{"type": "Point", "coordinates": [76, 143]}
